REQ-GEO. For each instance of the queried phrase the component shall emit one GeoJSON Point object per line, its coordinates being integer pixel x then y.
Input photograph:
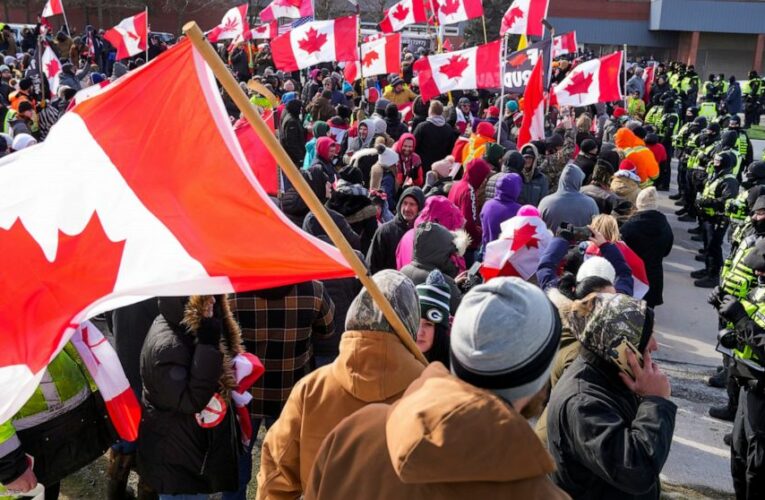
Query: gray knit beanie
{"type": "Point", "coordinates": [365, 315]}
{"type": "Point", "coordinates": [504, 338]}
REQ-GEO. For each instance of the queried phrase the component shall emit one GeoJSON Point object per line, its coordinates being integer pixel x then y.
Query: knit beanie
{"type": "Point", "coordinates": [365, 315]}
{"type": "Point", "coordinates": [504, 338]}
{"type": "Point", "coordinates": [619, 112]}
{"type": "Point", "coordinates": [646, 200]}
{"type": "Point", "coordinates": [485, 129]}
{"type": "Point", "coordinates": [596, 266]}
{"type": "Point", "coordinates": [387, 156]}
{"type": "Point", "coordinates": [493, 154]}
{"type": "Point", "coordinates": [435, 296]}
{"type": "Point", "coordinates": [589, 146]}
{"type": "Point", "coordinates": [320, 128]}
{"type": "Point", "coordinates": [443, 167]}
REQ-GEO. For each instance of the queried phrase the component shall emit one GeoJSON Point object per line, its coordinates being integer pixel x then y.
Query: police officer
{"type": "Point", "coordinates": [679, 141]}
{"type": "Point", "coordinates": [668, 126]}
{"type": "Point", "coordinates": [753, 103]}
{"type": "Point", "coordinates": [700, 153]}
{"type": "Point", "coordinates": [747, 340]}
{"type": "Point", "coordinates": [719, 187]}
{"type": "Point", "coordinates": [743, 144]}
{"type": "Point", "coordinates": [737, 209]}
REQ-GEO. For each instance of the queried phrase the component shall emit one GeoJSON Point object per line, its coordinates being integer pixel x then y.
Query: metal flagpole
{"type": "Point", "coordinates": [66, 23]}
{"type": "Point", "coordinates": [147, 33]}
{"type": "Point", "coordinates": [624, 90]}
{"type": "Point", "coordinates": [483, 22]}
{"type": "Point", "coordinates": [273, 145]}
{"type": "Point", "coordinates": [502, 59]}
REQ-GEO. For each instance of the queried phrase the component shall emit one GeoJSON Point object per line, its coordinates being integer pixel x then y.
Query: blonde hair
{"type": "Point", "coordinates": [607, 226]}
{"type": "Point", "coordinates": [584, 123]}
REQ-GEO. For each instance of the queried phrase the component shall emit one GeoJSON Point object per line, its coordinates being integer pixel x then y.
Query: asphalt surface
{"type": "Point", "coordinates": [687, 327]}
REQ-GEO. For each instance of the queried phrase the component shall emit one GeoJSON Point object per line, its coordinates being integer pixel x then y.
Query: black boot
{"type": "Point", "coordinates": [701, 258]}
{"type": "Point", "coordinates": [695, 230]}
{"type": "Point", "coordinates": [726, 412]}
{"type": "Point", "coordinates": [687, 218]}
{"type": "Point", "coordinates": [682, 211]}
{"type": "Point", "coordinates": [680, 203]}
{"type": "Point", "coordinates": [728, 438]}
{"type": "Point", "coordinates": [697, 237]}
{"type": "Point", "coordinates": [701, 273]}
{"type": "Point", "coordinates": [711, 280]}
{"type": "Point", "coordinates": [719, 380]}
{"type": "Point", "coordinates": [676, 196]}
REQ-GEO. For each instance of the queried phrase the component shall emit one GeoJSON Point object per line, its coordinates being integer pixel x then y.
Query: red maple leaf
{"type": "Point", "coordinates": [525, 236]}
{"type": "Point", "coordinates": [449, 7]}
{"type": "Point", "coordinates": [40, 298]}
{"type": "Point", "coordinates": [370, 57]}
{"type": "Point", "coordinates": [313, 41]}
{"type": "Point", "coordinates": [455, 67]}
{"type": "Point", "coordinates": [52, 68]}
{"type": "Point", "coordinates": [133, 35]}
{"type": "Point", "coordinates": [230, 24]}
{"type": "Point", "coordinates": [518, 59]}
{"type": "Point", "coordinates": [289, 3]}
{"type": "Point", "coordinates": [579, 84]}
{"type": "Point", "coordinates": [400, 12]}
{"type": "Point", "coordinates": [512, 15]}
{"type": "Point", "coordinates": [262, 28]}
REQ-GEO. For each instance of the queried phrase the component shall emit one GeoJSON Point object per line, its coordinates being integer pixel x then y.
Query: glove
{"type": "Point", "coordinates": [714, 297]}
{"type": "Point", "coordinates": [732, 310]}
{"type": "Point", "coordinates": [565, 231]}
{"type": "Point", "coordinates": [209, 332]}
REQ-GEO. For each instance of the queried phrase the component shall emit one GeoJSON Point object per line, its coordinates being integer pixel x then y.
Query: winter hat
{"type": "Point", "coordinates": [610, 156]}
{"type": "Point", "coordinates": [512, 106]}
{"type": "Point", "coordinates": [386, 156]}
{"type": "Point", "coordinates": [23, 141]}
{"type": "Point", "coordinates": [443, 167]}
{"type": "Point", "coordinates": [289, 96]}
{"type": "Point", "coordinates": [351, 174]}
{"type": "Point", "coordinates": [514, 162]}
{"type": "Point", "coordinates": [391, 111]}
{"type": "Point", "coordinates": [97, 78]}
{"type": "Point", "coordinates": [4, 67]}
{"type": "Point", "coordinates": [504, 338]}
{"type": "Point", "coordinates": [596, 266]}
{"type": "Point", "coordinates": [435, 296]}
{"type": "Point", "coordinates": [609, 318]}
{"type": "Point", "coordinates": [529, 211]}
{"type": "Point", "coordinates": [365, 315]}
{"type": "Point", "coordinates": [589, 146]}
{"type": "Point", "coordinates": [493, 154]}
{"type": "Point", "coordinates": [323, 145]}
{"type": "Point", "coordinates": [651, 139]}
{"type": "Point", "coordinates": [646, 200]}
{"type": "Point", "coordinates": [640, 132]}
{"type": "Point", "coordinates": [628, 165]}
{"type": "Point", "coordinates": [463, 100]}
{"type": "Point", "coordinates": [493, 112]}
{"type": "Point", "coordinates": [619, 112]}
{"type": "Point", "coordinates": [380, 106]}
{"type": "Point", "coordinates": [485, 129]}
{"type": "Point", "coordinates": [320, 128]}
{"type": "Point", "coordinates": [380, 126]}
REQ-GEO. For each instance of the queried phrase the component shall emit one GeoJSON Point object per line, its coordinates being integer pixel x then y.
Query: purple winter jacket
{"type": "Point", "coordinates": [503, 206]}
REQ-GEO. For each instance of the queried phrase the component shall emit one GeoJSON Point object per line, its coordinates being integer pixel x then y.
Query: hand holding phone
{"type": "Point", "coordinates": [648, 379]}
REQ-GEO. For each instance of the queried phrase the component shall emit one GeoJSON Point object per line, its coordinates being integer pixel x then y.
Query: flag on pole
{"type": "Point", "coordinates": [51, 67]}
{"type": "Point", "coordinates": [456, 11]}
{"type": "Point", "coordinates": [52, 8]}
{"type": "Point", "coordinates": [591, 82]}
{"type": "Point", "coordinates": [533, 124]}
{"type": "Point", "coordinates": [649, 76]}
{"type": "Point", "coordinates": [317, 42]}
{"type": "Point", "coordinates": [286, 28]}
{"type": "Point", "coordinates": [473, 68]}
{"type": "Point", "coordinates": [378, 57]}
{"type": "Point", "coordinates": [89, 229]}
{"type": "Point", "coordinates": [233, 24]}
{"type": "Point", "coordinates": [524, 17]}
{"type": "Point", "coordinates": [292, 9]}
{"type": "Point", "coordinates": [403, 14]}
{"type": "Point", "coordinates": [265, 31]}
{"type": "Point", "coordinates": [564, 44]}
{"type": "Point", "coordinates": [130, 37]}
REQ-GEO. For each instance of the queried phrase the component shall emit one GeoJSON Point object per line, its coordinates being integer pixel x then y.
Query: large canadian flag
{"type": "Point", "coordinates": [135, 211]}
{"type": "Point", "coordinates": [233, 24]}
{"type": "Point", "coordinates": [640, 284]}
{"type": "Point", "coordinates": [403, 14]}
{"type": "Point", "coordinates": [52, 8]}
{"type": "Point", "coordinates": [564, 44]}
{"type": "Point", "coordinates": [456, 11]}
{"type": "Point", "coordinates": [473, 68]}
{"type": "Point", "coordinates": [378, 57]}
{"type": "Point", "coordinates": [533, 124]}
{"type": "Point", "coordinates": [524, 17]}
{"type": "Point", "coordinates": [591, 82]}
{"type": "Point", "coordinates": [293, 9]}
{"type": "Point", "coordinates": [516, 252]}
{"type": "Point", "coordinates": [51, 67]}
{"type": "Point", "coordinates": [130, 37]}
{"type": "Point", "coordinates": [317, 42]}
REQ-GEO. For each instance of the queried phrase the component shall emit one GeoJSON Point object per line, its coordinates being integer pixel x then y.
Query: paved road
{"type": "Point", "coordinates": [687, 329]}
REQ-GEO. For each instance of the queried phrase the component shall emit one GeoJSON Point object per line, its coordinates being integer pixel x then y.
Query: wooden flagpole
{"type": "Point", "coordinates": [233, 89]}
{"type": "Point", "coordinates": [483, 22]}
{"type": "Point", "coordinates": [66, 23]}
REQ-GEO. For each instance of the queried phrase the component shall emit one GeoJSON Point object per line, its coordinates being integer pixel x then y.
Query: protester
{"type": "Point", "coordinates": [499, 381]}
{"type": "Point", "coordinates": [464, 194]}
{"type": "Point", "coordinates": [435, 319]}
{"type": "Point", "coordinates": [626, 183]}
{"type": "Point", "coordinates": [434, 137]}
{"type": "Point", "coordinates": [501, 207]}
{"type": "Point", "coordinates": [319, 129]}
{"type": "Point", "coordinates": [636, 151]}
{"type": "Point", "coordinates": [409, 170]}
{"type": "Point", "coordinates": [437, 209]}
{"type": "Point", "coordinates": [438, 182]}
{"type": "Point", "coordinates": [351, 200]}
{"type": "Point", "coordinates": [382, 175]}
{"type": "Point", "coordinates": [292, 133]}
{"type": "Point", "coordinates": [394, 128]}
{"type": "Point", "coordinates": [399, 93]}
{"type": "Point", "coordinates": [373, 367]}
{"type": "Point", "coordinates": [600, 191]}
{"type": "Point", "coordinates": [567, 204]}
{"type": "Point", "coordinates": [382, 250]}
{"type": "Point", "coordinates": [585, 160]}
{"type": "Point", "coordinates": [476, 146]}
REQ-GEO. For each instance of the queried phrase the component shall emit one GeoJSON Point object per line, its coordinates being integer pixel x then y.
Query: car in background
{"type": "Point", "coordinates": [168, 38]}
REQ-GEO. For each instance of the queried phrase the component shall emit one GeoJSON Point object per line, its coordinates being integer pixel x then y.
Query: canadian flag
{"type": "Point", "coordinates": [130, 36]}
{"type": "Point", "coordinates": [52, 8]}
{"type": "Point", "coordinates": [591, 82]}
{"type": "Point", "coordinates": [564, 44]}
{"type": "Point", "coordinates": [473, 68]}
{"type": "Point", "coordinates": [316, 42]}
{"type": "Point", "coordinates": [516, 252]}
{"type": "Point", "coordinates": [51, 67]}
{"type": "Point", "coordinates": [88, 229]}
{"type": "Point", "coordinates": [262, 163]}
{"type": "Point", "coordinates": [403, 14]}
{"type": "Point", "coordinates": [640, 285]}
{"type": "Point", "coordinates": [456, 11]}
{"type": "Point", "coordinates": [524, 17]}
{"type": "Point", "coordinates": [378, 57]}
{"type": "Point", "coordinates": [533, 124]}
{"type": "Point", "coordinates": [233, 23]}
{"type": "Point", "coordinates": [293, 9]}
{"type": "Point", "coordinates": [649, 76]}
{"type": "Point", "coordinates": [265, 31]}
{"type": "Point", "coordinates": [104, 367]}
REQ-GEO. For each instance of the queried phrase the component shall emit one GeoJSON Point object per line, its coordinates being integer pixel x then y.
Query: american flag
{"type": "Point", "coordinates": [285, 28]}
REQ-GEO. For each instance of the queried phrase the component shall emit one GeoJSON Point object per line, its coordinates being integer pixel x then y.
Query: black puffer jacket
{"type": "Point", "coordinates": [382, 250]}
{"type": "Point", "coordinates": [175, 454]}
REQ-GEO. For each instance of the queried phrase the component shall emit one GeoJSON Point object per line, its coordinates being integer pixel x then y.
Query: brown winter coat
{"type": "Point", "coordinates": [372, 367]}
{"type": "Point", "coordinates": [444, 439]}
{"type": "Point", "coordinates": [321, 109]}
{"type": "Point", "coordinates": [625, 188]}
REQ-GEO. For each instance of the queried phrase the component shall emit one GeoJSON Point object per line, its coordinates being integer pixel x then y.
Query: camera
{"type": "Point", "coordinates": [574, 233]}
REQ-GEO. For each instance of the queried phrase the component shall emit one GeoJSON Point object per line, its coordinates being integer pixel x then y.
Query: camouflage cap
{"type": "Point", "coordinates": [607, 318]}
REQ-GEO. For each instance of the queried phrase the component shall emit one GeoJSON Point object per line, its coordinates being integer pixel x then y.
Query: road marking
{"type": "Point", "coordinates": [702, 447]}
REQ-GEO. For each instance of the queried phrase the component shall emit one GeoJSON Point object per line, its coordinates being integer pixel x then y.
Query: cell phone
{"type": "Point", "coordinates": [618, 355]}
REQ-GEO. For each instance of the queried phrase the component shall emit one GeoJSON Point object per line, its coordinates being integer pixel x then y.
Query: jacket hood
{"type": "Point", "coordinates": [570, 179]}
{"type": "Point", "coordinates": [433, 247]}
{"type": "Point", "coordinates": [322, 147]}
{"type": "Point", "coordinates": [439, 209]}
{"type": "Point", "coordinates": [414, 192]}
{"type": "Point", "coordinates": [626, 138]}
{"type": "Point", "coordinates": [364, 315]}
{"type": "Point", "coordinates": [476, 172]}
{"type": "Point", "coordinates": [508, 188]}
{"type": "Point", "coordinates": [443, 420]}
{"type": "Point", "coordinates": [374, 366]}
{"type": "Point", "coordinates": [514, 162]}
{"type": "Point", "coordinates": [400, 143]}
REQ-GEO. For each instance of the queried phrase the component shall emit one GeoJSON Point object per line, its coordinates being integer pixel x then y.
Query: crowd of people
{"type": "Point", "coordinates": [424, 191]}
